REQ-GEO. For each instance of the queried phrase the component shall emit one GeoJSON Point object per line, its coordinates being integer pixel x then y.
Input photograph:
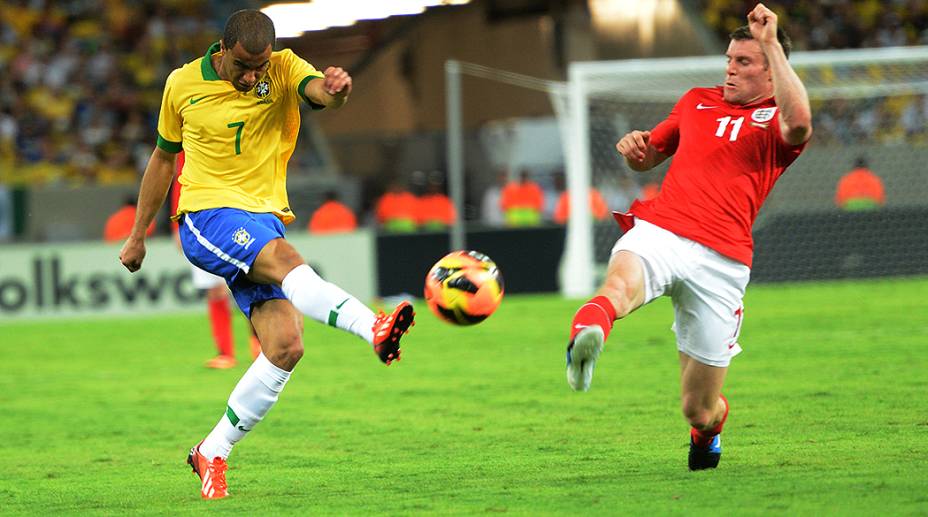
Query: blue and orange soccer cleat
{"type": "Point", "coordinates": [388, 329]}
{"type": "Point", "coordinates": [212, 474]}
{"type": "Point", "coordinates": [708, 457]}
{"type": "Point", "coordinates": [582, 354]}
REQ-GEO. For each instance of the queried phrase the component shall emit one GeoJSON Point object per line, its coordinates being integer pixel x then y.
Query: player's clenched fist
{"type": "Point", "coordinates": [634, 145]}
{"type": "Point", "coordinates": [132, 254]}
{"type": "Point", "coordinates": [337, 81]}
{"type": "Point", "coordinates": [763, 24]}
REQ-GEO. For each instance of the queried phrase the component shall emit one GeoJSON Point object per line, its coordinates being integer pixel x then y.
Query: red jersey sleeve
{"type": "Point", "coordinates": [666, 135]}
{"type": "Point", "coordinates": [786, 153]}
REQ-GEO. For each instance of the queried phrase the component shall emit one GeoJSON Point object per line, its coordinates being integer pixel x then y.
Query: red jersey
{"type": "Point", "coordinates": [726, 159]}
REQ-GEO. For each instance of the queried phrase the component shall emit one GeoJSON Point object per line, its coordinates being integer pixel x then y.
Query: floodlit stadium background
{"type": "Point", "coordinates": [466, 95]}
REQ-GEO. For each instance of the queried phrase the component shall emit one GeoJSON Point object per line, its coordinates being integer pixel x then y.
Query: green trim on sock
{"type": "Point", "coordinates": [231, 415]}
{"type": "Point", "coordinates": [333, 314]}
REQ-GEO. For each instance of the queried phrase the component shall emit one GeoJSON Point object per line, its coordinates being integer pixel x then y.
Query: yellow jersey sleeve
{"type": "Point", "coordinates": [170, 136]}
{"type": "Point", "coordinates": [299, 72]}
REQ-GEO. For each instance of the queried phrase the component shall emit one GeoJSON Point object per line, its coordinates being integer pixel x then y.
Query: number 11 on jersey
{"type": "Point", "coordinates": [735, 127]}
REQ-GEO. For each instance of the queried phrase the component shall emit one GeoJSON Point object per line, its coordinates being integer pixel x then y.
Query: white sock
{"type": "Point", "coordinates": [252, 398]}
{"type": "Point", "coordinates": [326, 302]}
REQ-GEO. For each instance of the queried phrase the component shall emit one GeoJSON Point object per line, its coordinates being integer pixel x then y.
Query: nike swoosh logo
{"type": "Point", "coordinates": [699, 106]}
{"type": "Point", "coordinates": [240, 428]}
{"type": "Point", "coordinates": [578, 326]}
{"type": "Point", "coordinates": [333, 314]}
{"type": "Point", "coordinates": [194, 101]}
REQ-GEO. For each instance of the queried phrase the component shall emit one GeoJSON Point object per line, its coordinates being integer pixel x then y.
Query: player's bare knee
{"type": "Point", "coordinates": [287, 348]}
{"type": "Point", "coordinates": [294, 351]}
{"type": "Point", "coordinates": [292, 342]}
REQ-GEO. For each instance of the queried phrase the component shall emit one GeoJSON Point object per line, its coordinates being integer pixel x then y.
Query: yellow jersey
{"type": "Point", "coordinates": [236, 144]}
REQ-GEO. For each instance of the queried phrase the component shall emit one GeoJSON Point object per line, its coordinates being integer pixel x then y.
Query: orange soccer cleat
{"type": "Point", "coordinates": [212, 474]}
{"type": "Point", "coordinates": [389, 329]}
{"type": "Point", "coordinates": [221, 362]}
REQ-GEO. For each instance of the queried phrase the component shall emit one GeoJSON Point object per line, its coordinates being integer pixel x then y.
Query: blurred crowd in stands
{"type": "Point", "coordinates": [887, 120]}
{"type": "Point", "coordinates": [80, 83]}
{"type": "Point", "coordinates": [843, 24]}
{"type": "Point", "coordinates": [831, 24]}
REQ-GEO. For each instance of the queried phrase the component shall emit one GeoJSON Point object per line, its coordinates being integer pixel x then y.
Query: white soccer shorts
{"type": "Point", "coordinates": [706, 287]}
{"type": "Point", "coordinates": [205, 280]}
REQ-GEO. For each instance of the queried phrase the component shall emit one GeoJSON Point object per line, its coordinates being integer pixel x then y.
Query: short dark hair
{"type": "Point", "coordinates": [250, 27]}
{"type": "Point", "coordinates": [744, 32]}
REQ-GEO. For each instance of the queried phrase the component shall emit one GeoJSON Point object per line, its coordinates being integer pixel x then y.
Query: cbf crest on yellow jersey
{"type": "Point", "coordinates": [236, 144]}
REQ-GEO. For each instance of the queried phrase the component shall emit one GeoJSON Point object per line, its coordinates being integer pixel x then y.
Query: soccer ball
{"type": "Point", "coordinates": [464, 287]}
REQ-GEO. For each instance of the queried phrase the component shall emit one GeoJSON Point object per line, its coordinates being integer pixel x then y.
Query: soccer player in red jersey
{"type": "Point", "coordinates": [693, 241]}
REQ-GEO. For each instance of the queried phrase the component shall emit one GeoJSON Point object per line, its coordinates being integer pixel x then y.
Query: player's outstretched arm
{"type": "Point", "coordinates": [790, 94]}
{"type": "Point", "coordinates": [639, 154]}
{"type": "Point", "coordinates": [332, 90]}
{"type": "Point", "coordinates": [155, 184]}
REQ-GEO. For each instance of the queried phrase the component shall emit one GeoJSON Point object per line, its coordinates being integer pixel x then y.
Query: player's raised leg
{"type": "Point", "coordinates": [279, 263]}
{"type": "Point", "coordinates": [280, 327]}
{"type": "Point", "coordinates": [705, 408]}
{"type": "Point", "coordinates": [621, 292]}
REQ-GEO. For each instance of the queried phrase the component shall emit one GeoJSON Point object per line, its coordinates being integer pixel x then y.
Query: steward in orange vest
{"type": "Point", "coordinates": [396, 209]}
{"type": "Point", "coordinates": [436, 211]}
{"type": "Point", "coordinates": [522, 202]}
{"type": "Point", "coordinates": [332, 216]}
{"type": "Point", "coordinates": [119, 224]}
{"type": "Point", "coordinates": [860, 189]}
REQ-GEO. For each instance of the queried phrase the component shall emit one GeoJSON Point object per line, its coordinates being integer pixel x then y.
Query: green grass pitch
{"type": "Point", "coordinates": [829, 416]}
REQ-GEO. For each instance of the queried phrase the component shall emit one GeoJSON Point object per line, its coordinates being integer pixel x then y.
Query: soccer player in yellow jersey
{"type": "Point", "coordinates": [235, 113]}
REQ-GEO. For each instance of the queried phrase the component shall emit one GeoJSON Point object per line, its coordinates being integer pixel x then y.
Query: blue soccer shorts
{"type": "Point", "coordinates": [226, 242]}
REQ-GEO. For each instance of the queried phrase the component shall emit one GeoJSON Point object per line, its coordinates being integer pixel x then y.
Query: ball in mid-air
{"type": "Point", "coordinates": [464, 287]}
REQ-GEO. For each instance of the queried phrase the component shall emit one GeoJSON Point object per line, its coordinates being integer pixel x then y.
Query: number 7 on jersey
{"type": "Point", "coordinates": [238, 135]}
